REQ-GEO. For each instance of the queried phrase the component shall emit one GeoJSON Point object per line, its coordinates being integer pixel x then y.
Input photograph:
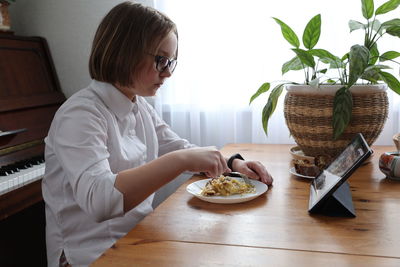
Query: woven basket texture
{"type": "Point", "coordinates": [309, 119]}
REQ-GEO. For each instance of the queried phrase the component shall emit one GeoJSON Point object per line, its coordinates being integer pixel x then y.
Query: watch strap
{"type": "Point", "coordinates": [232, 158]}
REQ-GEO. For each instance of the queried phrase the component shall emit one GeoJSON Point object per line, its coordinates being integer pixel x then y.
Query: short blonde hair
{"type": "Point", "coordinates": [125, 35]}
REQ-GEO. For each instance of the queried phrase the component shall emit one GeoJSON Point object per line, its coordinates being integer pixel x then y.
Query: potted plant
{"type": "Point", "coordinates": [4, 15]}
{"type": "Point", "coordinates": [340, 96]}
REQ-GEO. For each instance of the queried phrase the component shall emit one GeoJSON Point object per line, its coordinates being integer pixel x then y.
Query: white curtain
{"type": "Point", "coordinates": [228, 48]}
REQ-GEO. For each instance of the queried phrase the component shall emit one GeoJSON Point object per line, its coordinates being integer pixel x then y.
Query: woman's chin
{"type": "Point", "coordinates": [154, 91]}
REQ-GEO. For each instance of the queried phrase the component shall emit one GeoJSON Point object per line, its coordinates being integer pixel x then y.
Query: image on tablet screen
{"type": "Point", "coordinates": [339, 167]}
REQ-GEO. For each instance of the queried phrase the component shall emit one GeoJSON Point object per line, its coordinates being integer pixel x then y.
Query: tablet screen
{"type": "Point", "coordinates": [339, 170]}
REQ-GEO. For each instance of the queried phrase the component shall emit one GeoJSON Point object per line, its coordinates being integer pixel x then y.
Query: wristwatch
{"type": "Point", "coordinates": [233, 157]}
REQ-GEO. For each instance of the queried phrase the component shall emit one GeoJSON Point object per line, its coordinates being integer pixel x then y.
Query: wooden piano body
{"type": "Point", "coordinates": [30, 95]}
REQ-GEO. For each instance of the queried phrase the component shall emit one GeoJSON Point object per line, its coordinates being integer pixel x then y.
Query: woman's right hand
{"type": "Point", "coordinates": [134, 183]}
{"type": "Point", "coordinates": [203, 159]}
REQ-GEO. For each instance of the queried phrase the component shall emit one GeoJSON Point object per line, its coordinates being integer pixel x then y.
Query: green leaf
{"type": "Point", "coordinates": [269, 108]}
{"type": "Point", "coordinates": [367, 8]}
{"type": "Point", "coordinates": [391, 81]}
{"type": "Point", "coordinates": [263, 88]}
{"type": "Point", "coordinates": [371, 76]}
{"type": "Point", "coordinates": [388, 6]}
{"type": "Point", "coordinates": [322, 54]}
{"type": "Point", "coordinates": [293, 64]}
{"type": "Point", "coordinates": [373, 54]}
{"type": "Point", "coordinates": [305, 57]}
{"type": "Point", "coordinates": [327, 57]}
{"type": "Point", "coordinates": [389, 55]}
{"type": "Point", "coordinates": [312, 32]}
{"type": "Point", "coordinates": [358, 61]}
{"type": "Point", "coordinates": [330, 81]}
{"type": "Point", "coordinates": [288, 33]}
{"type": "Point", "coordinates": [314, 83]}
{"type": "Point", "coordinates": [392, 22]}
{"type": "Point", "coordinates": [377, 67]}
{"type": "Point", "coordinates": [372, 73]}
{"type": "Point", "coordinates": [355, 25]}
{"type": "Point", "coordinates": [376, 26]}
{"type": "Point", "coordinates": [393, 30]}
{"type": "Point", "coordinates": [342, 109]}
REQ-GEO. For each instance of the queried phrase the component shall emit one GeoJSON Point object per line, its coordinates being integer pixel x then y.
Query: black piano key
{"type": "Point", "coordinates": [21, 165]}
{"type": "Point", "coordinates": [12, 167]}
{"type": "Point", "coordinates": [16, 169]}
{"type": "Point", "coordinates": [8, 169]}
{"type": "Point", "coordinates": [35, 161]}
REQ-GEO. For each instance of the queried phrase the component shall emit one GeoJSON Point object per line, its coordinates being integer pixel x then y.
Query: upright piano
{"type": "Point", "coordinates": [30, 95]}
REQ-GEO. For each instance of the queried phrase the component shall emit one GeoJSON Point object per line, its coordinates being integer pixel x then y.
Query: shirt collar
{"type": "Point", "coordinates": [116, 101]}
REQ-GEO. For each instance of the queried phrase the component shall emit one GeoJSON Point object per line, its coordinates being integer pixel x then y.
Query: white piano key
{"type": "Point", "coordinates": [21, 178]}
{"type": "Point", "coordinates": [25, 178]}
{"type": "Point", "coordinates": [10, 185]}
{"type": "Point", "coordinates": [15, 183]}
{"type": "Point", "coordinates": [3, 187]}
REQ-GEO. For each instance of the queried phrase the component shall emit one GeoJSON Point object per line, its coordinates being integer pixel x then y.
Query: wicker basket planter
{"type": "Point", "coordinates": [308, 114]}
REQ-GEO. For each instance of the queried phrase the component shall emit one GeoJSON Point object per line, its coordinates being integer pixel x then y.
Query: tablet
{"type": "Point", "coordinates": [338, 171]}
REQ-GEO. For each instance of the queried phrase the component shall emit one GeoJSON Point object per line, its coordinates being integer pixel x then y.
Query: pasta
{"type": "Point", "coordinates": [226, 186]}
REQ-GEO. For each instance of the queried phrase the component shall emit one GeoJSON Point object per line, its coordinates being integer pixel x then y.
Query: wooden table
{"type": "Point", "coordinates": [274, 229]}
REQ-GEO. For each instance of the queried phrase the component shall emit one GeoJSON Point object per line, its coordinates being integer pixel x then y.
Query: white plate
{"type": "Point", "coordinates": [293, 171]}
{"type": "Point", "coordinates": [196, 187]}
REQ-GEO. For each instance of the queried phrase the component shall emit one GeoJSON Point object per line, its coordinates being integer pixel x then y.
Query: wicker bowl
{"type": "Point", "coordinates": [308, 114]}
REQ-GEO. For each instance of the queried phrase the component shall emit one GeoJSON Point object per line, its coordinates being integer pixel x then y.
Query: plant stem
{"type": "Point", "coordinates": [374, 42]}
{"type": "Point", "coordinates": [370, 30]}
{"type": "Point", "coordinates": [340, 75]}
{"type": "Point", "coordinates": [308, 75]}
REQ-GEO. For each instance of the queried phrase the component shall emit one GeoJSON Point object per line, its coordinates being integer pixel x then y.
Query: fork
{"type": "Point", "coordinates": [240, 175]}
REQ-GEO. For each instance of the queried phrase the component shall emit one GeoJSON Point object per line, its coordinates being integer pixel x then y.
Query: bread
{"type": "Point", "coordinates": [304, 167]}
{"type": "Point", "coordinates": [308, 165]}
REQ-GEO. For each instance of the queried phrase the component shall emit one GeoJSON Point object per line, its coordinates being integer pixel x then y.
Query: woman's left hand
{"type": "Point", "coordinates": [253, 169]}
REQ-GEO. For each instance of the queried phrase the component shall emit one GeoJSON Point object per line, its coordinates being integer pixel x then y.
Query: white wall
{"type": "Point", "coordinates": [69, 27]}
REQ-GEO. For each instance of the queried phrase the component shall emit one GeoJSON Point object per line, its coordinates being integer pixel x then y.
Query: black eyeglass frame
{"type": "Point", "coordinates": [170, 62]}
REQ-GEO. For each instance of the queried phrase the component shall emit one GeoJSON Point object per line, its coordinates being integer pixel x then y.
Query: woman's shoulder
{"type": "Point", "coordinates": [84, 100]}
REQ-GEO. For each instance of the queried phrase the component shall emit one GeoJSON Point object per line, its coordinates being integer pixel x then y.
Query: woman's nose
{"type": "Point", "coordinates": [166, 73]}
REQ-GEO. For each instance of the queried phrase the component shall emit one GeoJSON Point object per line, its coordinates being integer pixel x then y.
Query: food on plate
{"type": "Point", "coordinates": [226, 186]}
{"type": "Point", "coordinates": [304, 167]}
{"type": "Point", "coordinates": [308, 165]}
{"type": "Point", "coordinates": [311, 168]}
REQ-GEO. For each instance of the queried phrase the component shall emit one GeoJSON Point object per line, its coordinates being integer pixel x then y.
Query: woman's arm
{"type": "Point", "coordinates": [138, 183]}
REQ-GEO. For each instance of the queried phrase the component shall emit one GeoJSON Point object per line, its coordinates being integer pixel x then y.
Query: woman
{"type": "Point", "coordinates": [107, 151]}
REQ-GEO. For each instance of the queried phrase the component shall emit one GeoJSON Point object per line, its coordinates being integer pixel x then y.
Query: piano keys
{"type": "Point", "coordinates": [30, 94]}
{"type": "Point", "coordinates": [21, 173]}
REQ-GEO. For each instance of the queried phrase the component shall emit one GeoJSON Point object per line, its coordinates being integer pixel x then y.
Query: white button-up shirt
{"type": "Point", "coordinates": [97, 133]}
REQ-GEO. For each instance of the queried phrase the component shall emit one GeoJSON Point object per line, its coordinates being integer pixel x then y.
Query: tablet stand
{"type": "Point", "coordinates": [339, 204]}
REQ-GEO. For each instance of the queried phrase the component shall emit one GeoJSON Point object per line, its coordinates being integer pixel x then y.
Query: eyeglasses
{"type": "Point", "coordinates": [163, 62]}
